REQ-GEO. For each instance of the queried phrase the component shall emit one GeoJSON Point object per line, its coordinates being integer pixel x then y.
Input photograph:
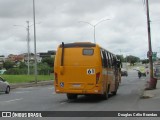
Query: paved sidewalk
{"type": "Point", "coordinates": [33, 84]}
{"type": "Point", "coordinates": [152, 93]}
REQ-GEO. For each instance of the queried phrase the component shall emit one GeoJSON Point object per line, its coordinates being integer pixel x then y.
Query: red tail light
{"type": "Point", "coordinates": [56, 77]}
{"type": "Point", "coordinates": [97, 77]}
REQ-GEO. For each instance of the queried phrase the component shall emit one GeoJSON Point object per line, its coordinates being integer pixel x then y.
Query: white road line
{"type": "Point", "coordinates": [51, 88]}
{"type": "Point", "coordinates": [22, 92]}
{"type": "Point", "coordinates": [12, 100]}
{"type": "Point", "coordinates": [63, 103]}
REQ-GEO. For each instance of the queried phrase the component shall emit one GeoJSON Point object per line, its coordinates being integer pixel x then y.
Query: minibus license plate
{"type": "Point", "coordinates": [76, 85]}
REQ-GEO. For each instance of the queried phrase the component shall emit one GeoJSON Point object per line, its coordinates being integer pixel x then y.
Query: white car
{"type": "Point", "coordinates": [4, 86]}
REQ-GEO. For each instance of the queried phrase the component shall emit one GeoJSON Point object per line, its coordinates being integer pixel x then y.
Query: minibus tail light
{"type": "Point", "coordinates": [56, 78]}
{"type": "Point", "coordinates": [97, 77]}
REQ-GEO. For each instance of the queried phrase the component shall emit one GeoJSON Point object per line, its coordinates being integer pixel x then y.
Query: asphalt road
{"type": "Point", "coordinates": [45, 99]}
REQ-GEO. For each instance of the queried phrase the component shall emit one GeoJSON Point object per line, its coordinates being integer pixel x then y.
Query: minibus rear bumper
{"type": "Point", "coordinates": [84, 91]}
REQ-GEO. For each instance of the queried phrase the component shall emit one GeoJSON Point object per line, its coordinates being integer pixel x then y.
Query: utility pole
{"type": "Point", "coordinates": [28, 46]}
{"type": "Point", "coordinates": [152, 81]}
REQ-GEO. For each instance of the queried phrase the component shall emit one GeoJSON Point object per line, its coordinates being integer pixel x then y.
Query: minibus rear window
{"type": "Point", "coordinates": [88, 51]}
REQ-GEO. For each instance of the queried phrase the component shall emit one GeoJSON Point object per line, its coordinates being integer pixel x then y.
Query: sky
{"type": "Point", "coordinates": [121, 28]}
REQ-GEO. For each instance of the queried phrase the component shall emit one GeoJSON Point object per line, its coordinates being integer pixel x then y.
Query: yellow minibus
{"type": "Point", "coordinates": [85, 68]}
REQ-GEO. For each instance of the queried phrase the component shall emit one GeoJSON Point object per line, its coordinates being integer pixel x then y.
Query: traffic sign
{"type": "Point", "coordinates": [154, 56]}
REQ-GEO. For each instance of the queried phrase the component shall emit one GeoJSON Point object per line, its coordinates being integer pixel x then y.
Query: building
{"type": "Point", "coordinates": [31, 58]}
{"type": "Point", "coordinates": [47, 54]}
{"type": "Point", "coordinates": [2, 60]}
{"type": "Point", "coordinates": [24, 58]}
{"type": "Point", "coordinates": [15, 58]}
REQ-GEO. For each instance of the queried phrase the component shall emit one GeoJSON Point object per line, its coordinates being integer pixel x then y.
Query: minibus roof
{"type": "Point", "coordinates": [82, 44]}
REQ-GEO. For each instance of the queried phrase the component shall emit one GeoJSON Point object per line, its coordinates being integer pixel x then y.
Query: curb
{"type": "Point", "coordinates": [24, 85]}
{"type": "Point", "coordinates": [147, 94]}
{"type": "Point", "coordinates": [151, 93]}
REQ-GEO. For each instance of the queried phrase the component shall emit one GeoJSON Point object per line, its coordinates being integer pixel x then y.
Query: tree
{"type": "Point", "coordinates": [8, 65]}
{"type": "Point", "coordinates": [49, 61]}
{"type": "Point", "coordinates": [43, 69]}
{"type": "Point", "coordinates": [120, 57]}
{"type": "Point", "coordinates": [132, 59]}
{"type": "Point", "coordinates": [22, 65]}
{"type": "Point", "coordinates": [145, 61]}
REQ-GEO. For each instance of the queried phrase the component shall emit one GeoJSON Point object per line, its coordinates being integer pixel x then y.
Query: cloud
{"type": "Point", "coordinates": [59, 21]}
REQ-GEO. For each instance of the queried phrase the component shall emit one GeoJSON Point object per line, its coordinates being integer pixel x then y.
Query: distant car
{"type": "Point", "coordinates": [4, 86]}
{"type": "Point", "coordinates": [124, 72]}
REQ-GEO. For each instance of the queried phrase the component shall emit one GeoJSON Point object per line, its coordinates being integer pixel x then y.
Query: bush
{"type": "Point", "coordinates": [16, 71]}
{"type": "Point", "coordinates": [42, 69]}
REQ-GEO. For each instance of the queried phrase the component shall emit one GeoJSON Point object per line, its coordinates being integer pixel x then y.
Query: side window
{"type": "Point", "coordinates": [114, 61]}
{"type": "Point", "coordinates": [104, 59]}
{"type": "Point", "coordinates": [109, 59]}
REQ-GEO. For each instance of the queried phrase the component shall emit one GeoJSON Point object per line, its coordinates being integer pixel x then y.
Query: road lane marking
{"type": "Point", "coordinates": [63, 102]}
{"type": "Point", "coordinates": [51, 88]}
{"type": "Point", "coordinates": [22, 92]}
{"type": "Point", "coordinates": [12, 100]}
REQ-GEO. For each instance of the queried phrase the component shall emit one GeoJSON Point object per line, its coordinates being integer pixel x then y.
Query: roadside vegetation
{"type": "Point", "coordinates": [132, 59]}
{"type": "Point", "coordinates": [26, 78]}
{"type": "Point", "coordinates": [18, 72]}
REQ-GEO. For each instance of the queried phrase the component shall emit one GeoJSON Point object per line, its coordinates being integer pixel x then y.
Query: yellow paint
{"type": "Point", "coordinates": [79, 71]}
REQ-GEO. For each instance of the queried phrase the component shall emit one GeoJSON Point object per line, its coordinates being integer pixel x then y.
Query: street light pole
{"type": "Point", "coordinates": [94, 34]}
{"type": "Point", "coordinates": [94, 27]}
{"type": "Point", "coordinates": [35, 53]}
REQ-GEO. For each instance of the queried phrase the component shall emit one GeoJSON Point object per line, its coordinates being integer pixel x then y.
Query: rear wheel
{"type": "Point", "coordinates": [7, 90]}
{"type": "Point", "coordinates": [71, 96]}
{"type": "Point", "coordinates": [116, 88]}
{"type": "Point", "coordinates": [105, 96]}
{"type": "Point", "coordinates": [114, 92]}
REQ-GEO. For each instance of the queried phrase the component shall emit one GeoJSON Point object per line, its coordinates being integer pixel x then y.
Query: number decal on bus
{"type": "Point", "coordinates": [90, 71]}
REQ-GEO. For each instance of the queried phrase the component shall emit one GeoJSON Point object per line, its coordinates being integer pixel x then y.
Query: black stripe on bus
{"type": "Point", "coordinates": [72, 45]}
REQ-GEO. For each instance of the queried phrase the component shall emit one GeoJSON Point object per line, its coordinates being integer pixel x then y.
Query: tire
{"type": "Point", "coordinates": [7, 90]}
{"type": "Point", "coordinates": [116, 88]}
{"type": "Point", "coordinates": [114, 92]}
{"type": "Point", "coordinates": [105, 96]}
{"type": "Point", "coordinates": [71, 96]}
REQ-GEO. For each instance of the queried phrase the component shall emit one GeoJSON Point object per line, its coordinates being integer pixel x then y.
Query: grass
{"type": "Point", "coordinates": [26, 78]}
